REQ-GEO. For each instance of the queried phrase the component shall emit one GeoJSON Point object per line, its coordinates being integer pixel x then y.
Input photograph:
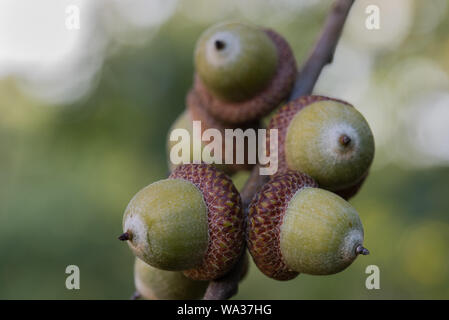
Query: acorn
{"type": "Point", "coordinates": [156, 284]}
{"type": "Point", "coordinates": [183, 121]}
{"type": "Point", "coordinates": [190, 222]}
{"type": "Point", "coordinates": [243, 71]}
{"type": "Point", "coordinates": [327, 139]}
{"type": "Point", "coordinates": [295, 227]}
{"type": "Point", "coordinates": [196, 112]}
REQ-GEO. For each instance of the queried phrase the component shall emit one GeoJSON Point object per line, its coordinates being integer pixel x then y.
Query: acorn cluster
{"type": "Point", "coordinates": [192, 228]}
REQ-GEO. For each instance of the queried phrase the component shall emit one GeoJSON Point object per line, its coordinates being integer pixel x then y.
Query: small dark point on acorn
{"type": "Point", "coordinates": [219, 45]}
{"type": "Point", "coordinates": [125, 236]}
{"type": "Point", "coordinates": [362, 250]}
{"type": "Point", "coordinates": [135, 296]}
{"type": "Point", "coordinates": [344, 140]}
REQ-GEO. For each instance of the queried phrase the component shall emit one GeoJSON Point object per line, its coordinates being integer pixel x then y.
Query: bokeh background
{"type": "Point", "coordinates": [84, 115]}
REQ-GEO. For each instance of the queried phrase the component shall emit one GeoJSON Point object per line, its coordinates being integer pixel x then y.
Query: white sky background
{"type": "Point", "coordinates": [60, 65]}
{"type": "Point", "coordinates": [38, 49]}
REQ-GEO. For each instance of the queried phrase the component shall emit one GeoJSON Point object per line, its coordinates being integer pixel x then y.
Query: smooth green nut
{"type": "Point", "coordinates": [184, 121]}
{"type": "Point", "coordinates": [330, 141]}
{"type": "Point", "coordinates": [235, 61]}
{"type": "Point", "coordinates": [156, 284]}
{"type": "Point", "coordinates": [321, 233]}
{"type": "Point", "coordinates": [167, 225]}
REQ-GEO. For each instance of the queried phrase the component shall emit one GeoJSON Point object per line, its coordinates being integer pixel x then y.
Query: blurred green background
{"type": "Point", "coordinates": [84, 116]}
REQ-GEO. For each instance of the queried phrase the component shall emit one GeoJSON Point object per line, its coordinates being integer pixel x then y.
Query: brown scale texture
{"type": "Point", "coordinates": [281, 121]}
{"type": "Point", "coordinates": [263, 103]}
{"type": "Point", "coordinates": [265, 218]}
{"type": "Point", "coordinates": [199, 113]}
{"type": "Point", "coordinates": [225, 219]}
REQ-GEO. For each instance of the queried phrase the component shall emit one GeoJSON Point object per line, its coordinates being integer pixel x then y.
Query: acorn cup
{"type": "Point", "coordinates": [327, 139]}
{"type": "Point", "coordinates": [243, 71]}
{"type": "Point", "coordinates": [190, 222]}
{"type": "Point", "coordinates": [295, 227]}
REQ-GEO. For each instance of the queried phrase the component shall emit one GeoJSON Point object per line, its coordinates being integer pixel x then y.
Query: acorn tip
{"type": "Point", "coordinates": [362, 250]}
{"type": "Point", "coordinates": [344, 140]}
{"type": "Point", "coordinates": [219, 45]}
{"type": "Point", "coordinates": [124, 237]}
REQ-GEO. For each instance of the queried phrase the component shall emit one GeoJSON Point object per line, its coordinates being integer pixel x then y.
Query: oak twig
{"type": "Point", "coordinates": [322, 54]}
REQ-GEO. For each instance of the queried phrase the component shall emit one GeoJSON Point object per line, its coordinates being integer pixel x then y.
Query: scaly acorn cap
{"type": "Point", "coordinates": [263, 101]}
{"type": "Point", "coordinates": [326, 138]}
{"type": "Point", "coordinates": [295, 227]}
{"type": "Point", "coordinates": [191, 222]}
{"type": "Point", "coordinates": [156, 284]}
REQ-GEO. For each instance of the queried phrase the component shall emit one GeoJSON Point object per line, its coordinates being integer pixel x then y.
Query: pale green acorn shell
{"type": "Point", "coordinates": [242, 66]}
{"type": "Point", "coordinates": [184, 121]}
{"type": "Point", "coordinates": [167, 221]}
{"type": "Point", "coordinates": [319, 233]}
{"type": "Point", "coordinates": [156, 284]}
{"type": "Point", "coordinates": [312, 144]}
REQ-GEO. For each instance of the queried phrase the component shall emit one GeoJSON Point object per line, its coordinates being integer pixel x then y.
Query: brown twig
{"type": "Point", "coordinates": [321, 55]}
{"type": "Point", "coordinates": [227, 286]}
{"type": "Point", "coordinates": [323, 52]}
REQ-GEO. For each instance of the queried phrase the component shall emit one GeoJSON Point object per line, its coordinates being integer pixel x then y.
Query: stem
{"type": "Point", "coordinates": [344, 140]}
{"type": "Point", "coordinates": [219, 45]}
{"type": "Point", "coordinates": [362, 250]}
{"type": "Point", "coordinates": [321, 55]}
{"type": "Point", "coordinates": [125, 236]}
{"type": "Point", "coordinates": [323, 52]}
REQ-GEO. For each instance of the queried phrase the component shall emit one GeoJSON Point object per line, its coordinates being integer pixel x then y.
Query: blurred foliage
{"type": "Point", "coordinates": [68, 172]}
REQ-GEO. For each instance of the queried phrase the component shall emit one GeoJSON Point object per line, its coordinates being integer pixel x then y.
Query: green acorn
{"type": "Point", "coordinates": [183, 121]}
{"type": "Point", "coordinates": [243, 71]}
{"type": "Point", "coordinates": [190, 222]}
{"type": "Point", "coordinates": [156, 284]}
{"type": "Point", "coordinates": [235, 60]}
{"type": "Point", "coordinates": [327, 139]}
{"type": "Point", "coordinates": [295, 227]}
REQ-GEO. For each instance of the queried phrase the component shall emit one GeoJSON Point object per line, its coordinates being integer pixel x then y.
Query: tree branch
{"type": "Point", "coordinates": [323, 52]}
{"type": "Point", "coordinates": [321, 55]}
